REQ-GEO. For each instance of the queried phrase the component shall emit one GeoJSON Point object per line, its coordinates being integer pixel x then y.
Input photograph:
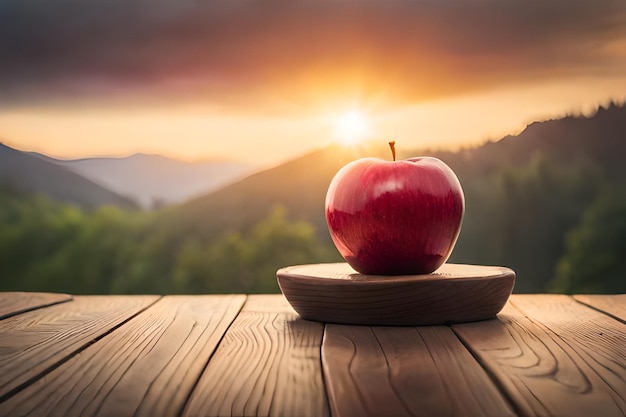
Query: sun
{"type": "Point", "coordinates": [352, 127]}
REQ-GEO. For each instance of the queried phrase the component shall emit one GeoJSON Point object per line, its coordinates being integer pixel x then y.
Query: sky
{"type": "Point", "coordinates": [266, 80]}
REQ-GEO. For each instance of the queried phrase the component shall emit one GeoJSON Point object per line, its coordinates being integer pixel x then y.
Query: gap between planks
{"type": "Point", "coordinates": [611, 305]}
{"type": "Point", "coordinates": [545, 354]}
{"type": "Point", "coordinates": [405, 371]}
{"type": "Point", "coordinates": [14, 303]}
{"type": "Point", "coordinates": [554, 337]}
{"type": "Point", "coordinates": [268, 364]}
{"type": "Point", "coordinates": [39, 341]}
{"type": "Point", "coordinates": [146, 367]}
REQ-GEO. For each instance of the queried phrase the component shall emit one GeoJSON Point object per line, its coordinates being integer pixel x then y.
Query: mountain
{"type": "Point", "coordinates": [550, 203]}
{"type": "Point", "coordinates": [27, 174]}
{"type": "Point", "coordinates": [300, 185]}
{"type": "Point", "coordinates": [573, 139]}
{"type": "Point", "coordinates": [524, 193]}
{"type": "Point", "coordinates": [154, 180]}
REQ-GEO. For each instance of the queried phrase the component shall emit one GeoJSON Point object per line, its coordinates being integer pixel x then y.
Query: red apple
{"type": "Point", "coordinates": [395, 217]}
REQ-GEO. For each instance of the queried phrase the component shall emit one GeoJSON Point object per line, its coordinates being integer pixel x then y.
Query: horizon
{"type": "Point", "coordinates": [367, 142]}
{"type": "Point", "coordinates": [121, 156]}
{"type": "Point", "coordinates": [263, 84]}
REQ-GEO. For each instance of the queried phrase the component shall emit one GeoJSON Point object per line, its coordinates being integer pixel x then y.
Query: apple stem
{"type": "Point", "coordinates": [392, 145]}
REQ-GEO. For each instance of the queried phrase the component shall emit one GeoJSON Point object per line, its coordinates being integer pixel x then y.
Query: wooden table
{"type": "Point", "coordinates": [222, 355]}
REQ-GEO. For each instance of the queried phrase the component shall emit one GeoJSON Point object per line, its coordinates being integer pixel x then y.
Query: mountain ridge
{"type": "Point", "coordinates": [523, 193]}
{"type": "Point", "coordinates": [154, 180]}
{"type": "Point", "coordinates": [313, 171]}
{"type": "Point", "coordinates": [27, 174]}
{"type": "Point", "coordinates": [550, 203]}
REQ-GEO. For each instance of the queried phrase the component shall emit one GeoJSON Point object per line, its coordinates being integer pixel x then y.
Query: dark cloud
{"type": "Point", "coordinates": [298, 51]}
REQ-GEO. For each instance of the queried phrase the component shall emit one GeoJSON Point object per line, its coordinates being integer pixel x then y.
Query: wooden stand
{"type": "Point", "coordinates": [335, 293]}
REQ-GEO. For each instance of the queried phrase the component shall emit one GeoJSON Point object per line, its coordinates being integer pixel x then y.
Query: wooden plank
{"type": "Point", "coordinates": [542, 374]}
{"type": "Point", "coordinates": [147, 367]}
{"type": "Point", "coordinates": [33, 343]}
{"type": "Point", "coordinates": [267, 365]}
{"type": "Point", "coordinates": [613, 305]}
{"type": "Point", "coordinates": [395, 371]}
{"type": "Point", "coordinates": [599, 340]}
{"type": "Point", "coordinates": [13, 303]}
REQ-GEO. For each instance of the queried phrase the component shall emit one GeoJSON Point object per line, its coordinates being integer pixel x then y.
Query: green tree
{"type": "Point", "coordinates": [594, 261]}
{"type": "Point", "coordinates": [248, 262]}
{"type": "Point", "coordinates": [48, 246]}
{"type": "Point", "coordinates": [277, 242]}
{"type": "Point", "coordinates": [518, 216]}
{"type": "Point", "coordinates": [32, 231]}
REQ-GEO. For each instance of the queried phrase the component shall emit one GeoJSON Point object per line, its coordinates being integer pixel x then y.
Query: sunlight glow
{"type": "Point", "coordinates": [352, 127]}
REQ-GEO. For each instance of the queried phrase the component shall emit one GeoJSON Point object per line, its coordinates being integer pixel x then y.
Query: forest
{"type": "Point", "coordinates": [48, 246]}
{"type": "Point", "coordinates": [557, 216]}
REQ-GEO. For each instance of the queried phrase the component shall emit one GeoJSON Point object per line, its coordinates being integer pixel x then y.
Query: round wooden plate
{"type": "Point", "coordinates": [455, 293]}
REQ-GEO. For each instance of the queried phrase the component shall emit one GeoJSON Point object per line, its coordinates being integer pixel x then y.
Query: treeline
{"type": "Point", "coordinates": [47, 246]}
{"type": "Point", "coordinates": [561, 225]}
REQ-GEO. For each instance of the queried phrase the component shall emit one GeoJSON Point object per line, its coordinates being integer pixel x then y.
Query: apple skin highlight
{"type": "Point", "coordinates": [395, 218]}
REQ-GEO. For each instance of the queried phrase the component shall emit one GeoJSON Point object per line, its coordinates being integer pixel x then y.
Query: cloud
{"type": "Point", "coordinates": [299, 52]}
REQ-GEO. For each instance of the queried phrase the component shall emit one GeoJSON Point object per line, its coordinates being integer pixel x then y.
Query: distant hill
{"type": "Point", "coordinates": [30, 175]}
{"type": "Point", "coordinates": [301, 184]}
{"type": "Point", "coordinates": [549, 203]}
{"type": "Point", "coordinates": [523, 193]}
{"type": "Point", "coordinates": [154, 180]}
{"type": "Point", "coordinates": [572, 139]}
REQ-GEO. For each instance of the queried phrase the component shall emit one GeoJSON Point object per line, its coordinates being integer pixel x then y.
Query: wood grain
{"type": "Point", "coordinates": [599, 340]}
{"type": "Point", "coordinates": [540, 372]}
{"type": "Point", "coordinates": [13, 303]}
{"type": "Point", "coordinates": [544, 355]}
{"type": "Point", "coordinates": [33, 343]}
{"type": "Point", "coordinates": [614, 305]}
{"type": "Point", "coordinates": [147, 367]}
{"type": "Point", "coordinates": [405, 371]}
{"type": "Point", "coordinates": [335, 293]}
{"type": "Point", "coordinates": [267, 365]}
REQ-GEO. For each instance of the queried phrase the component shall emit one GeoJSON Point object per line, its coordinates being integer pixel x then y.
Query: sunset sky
{"type": "Point", "coordinates": [267, 80]}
